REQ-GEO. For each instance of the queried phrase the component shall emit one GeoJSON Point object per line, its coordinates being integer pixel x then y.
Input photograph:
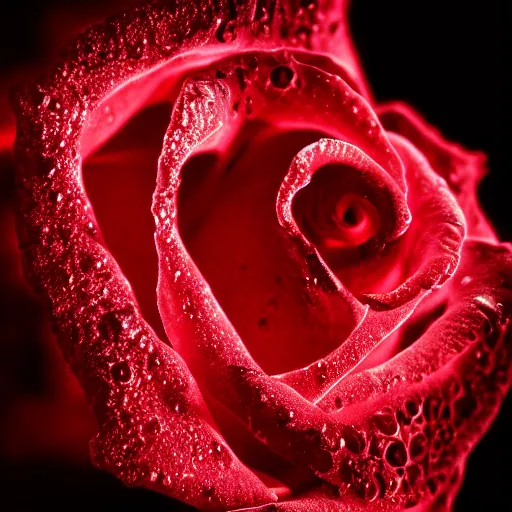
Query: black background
{"type": "Point", "coordinates": [447, 59]}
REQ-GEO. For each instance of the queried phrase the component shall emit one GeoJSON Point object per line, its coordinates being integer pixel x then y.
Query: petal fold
{"type": "Point", "coordinates": [462, 169]}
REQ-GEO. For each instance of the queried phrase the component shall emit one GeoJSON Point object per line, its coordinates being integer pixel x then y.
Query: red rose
{"type": "Point", "coordinates": [336, 305]}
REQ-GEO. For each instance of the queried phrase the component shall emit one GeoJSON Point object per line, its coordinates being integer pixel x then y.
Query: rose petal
{"type": "Point", "coordinates": [52, 114]}
{"type": "Point", "coordinates": [48, 146]}
{"type": "Point", "coordinates": [239, 245]}
{"type": "Point", "coordinates": [326, 500]}
{"type": "Point", "coordinates": [194, 321]}
{"type": "Point", "coordinates": [434, 238]}
{"type": "Point", "coordinates": [423, 411]}
{"type": "Point", "coordinates": [376, 327]}
{"type": "Point", "coordinates": [433, 242]}
{"type": "Point", "coordinates": [427, 407]}
{"type": "Point", "coordinates": [329, 152]}
{"type": "Point", "coordinates": [119, 180]}
{"type": "Point", "coordinates": [141, 391]}
{"type": "Point", "coordinates": [192, 316]}
{"type": "Point", "coordinates": [476, 316]}
{"type": "Point", "coordinates": [91, 301]}
{"type": "Point", "coordinates": [282, 419]}
{"type": "Point", "coordinates": [160, 33]}
{"type": "Point", "coordinates": [462, 169]}
{"type": "Point", "coordinates": [236, 240]}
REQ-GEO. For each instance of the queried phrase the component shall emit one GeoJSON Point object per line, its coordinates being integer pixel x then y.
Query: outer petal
{"type": "Point", "coordinates": [132, 57]}
{"type": "Point", "coordinates": [141, 391]}
{"type": "Point", "coordinates": [462, 169]}
{"type": "Point", "coordinates": [430, 249]}
{"type": "Point", "coordinates": [433, 401]}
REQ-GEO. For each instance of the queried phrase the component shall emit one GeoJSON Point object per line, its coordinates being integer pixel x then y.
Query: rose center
{"type": "Point", "coordinates": [357, 221]}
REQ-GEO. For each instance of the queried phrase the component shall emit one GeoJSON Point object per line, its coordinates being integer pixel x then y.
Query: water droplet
{"type": "Point", "coordinates": [413, 472]}
{"type": "Point", "coordinates": [114, 323]}
{"type": "Point", "coordinates": [346, 471]}
{"type": "Point", "coordinates": [431, 408]}
{"type": "Point", "coordinates": [432, 485]}
{"type": "Point", "coordinates": [402, 418]}
{"type": "Point", "coordinates": [209, 492]}
{"type": "Point", "coordinates": [188, 307]}
{"type": "Point", "coordinates": [153, 362]}
{"type": "Point", "coordinates": [281, 77]}
{"type": "Point", "coordinates": [463, 408]}
{"type": "Point", "coordinates": [135, 51]}
{"type": "Point", "coordinates": [396, 454]}
{"type": "Point", "coordinates": [418, 447]}
{"type": "Point", "coordinates": [284, 417]}
{"type": "Point", "coordinates": [252, 62]}
{"type": "Point", "coordinates": [225, 32]}
{"type": "Point", "coordinates": [376, 446]}
{"type": "Point", "coordinates": [368, 490]}
{"type": "Point", "coordinates": [412, 407]}
{"type": "Point", "coordinates": [53, 104]}
{"type": "Point", "coordinates": [446, 434]}
{"type": "Point", "coordinates": [386, 423]}
{"type": "Point", "coordinates": [465, 280]}
{"type": "Point", "coordinates": [220, 454]}
{"type": "Point", "coordinates": [151, 428]}
{"type": "Point", "coordinates": [121, 372]}
{"type": "Point", "coordinates": [320, 372]}
{"type": "Point", "coordinates": [354, 440]}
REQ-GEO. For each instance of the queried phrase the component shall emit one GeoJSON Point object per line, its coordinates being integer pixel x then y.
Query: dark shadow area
{"type": "Point", "coordinates": [65, 486]}
{"type": "Point", "coordinates": [120, 180]}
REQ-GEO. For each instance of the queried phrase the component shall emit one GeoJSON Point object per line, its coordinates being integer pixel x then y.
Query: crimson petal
{"type": "Point", "coordinates": [140, 389]}
{"type": "Point", "coordinates": [142, 392]}
{"type": "Point", "coordinates": [436, 236]}
{"type": "Point", "coordinates": [100, 327]}
{"type": "Point", "coordinates": [426, 408]}
{"type": "Point", "coordinates": [316, 302]}
{"type": "Point", "coordinates": [462, 169]}
{"type": "Point", "coordinates": [438, 246]}
{"type": "Point", "coordinates": [98, 319]}
{"type": "Point", "coordinates": [194, 320]}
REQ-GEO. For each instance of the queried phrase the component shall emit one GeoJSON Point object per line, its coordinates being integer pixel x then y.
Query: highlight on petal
{"type": "Point", "coordinates": [432, 244]}
{"type": "Point", "coordinates": [328, 500]}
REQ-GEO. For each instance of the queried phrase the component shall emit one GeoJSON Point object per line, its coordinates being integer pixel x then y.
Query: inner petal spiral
{"type": "Point", "coordinates": [227, 216]}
